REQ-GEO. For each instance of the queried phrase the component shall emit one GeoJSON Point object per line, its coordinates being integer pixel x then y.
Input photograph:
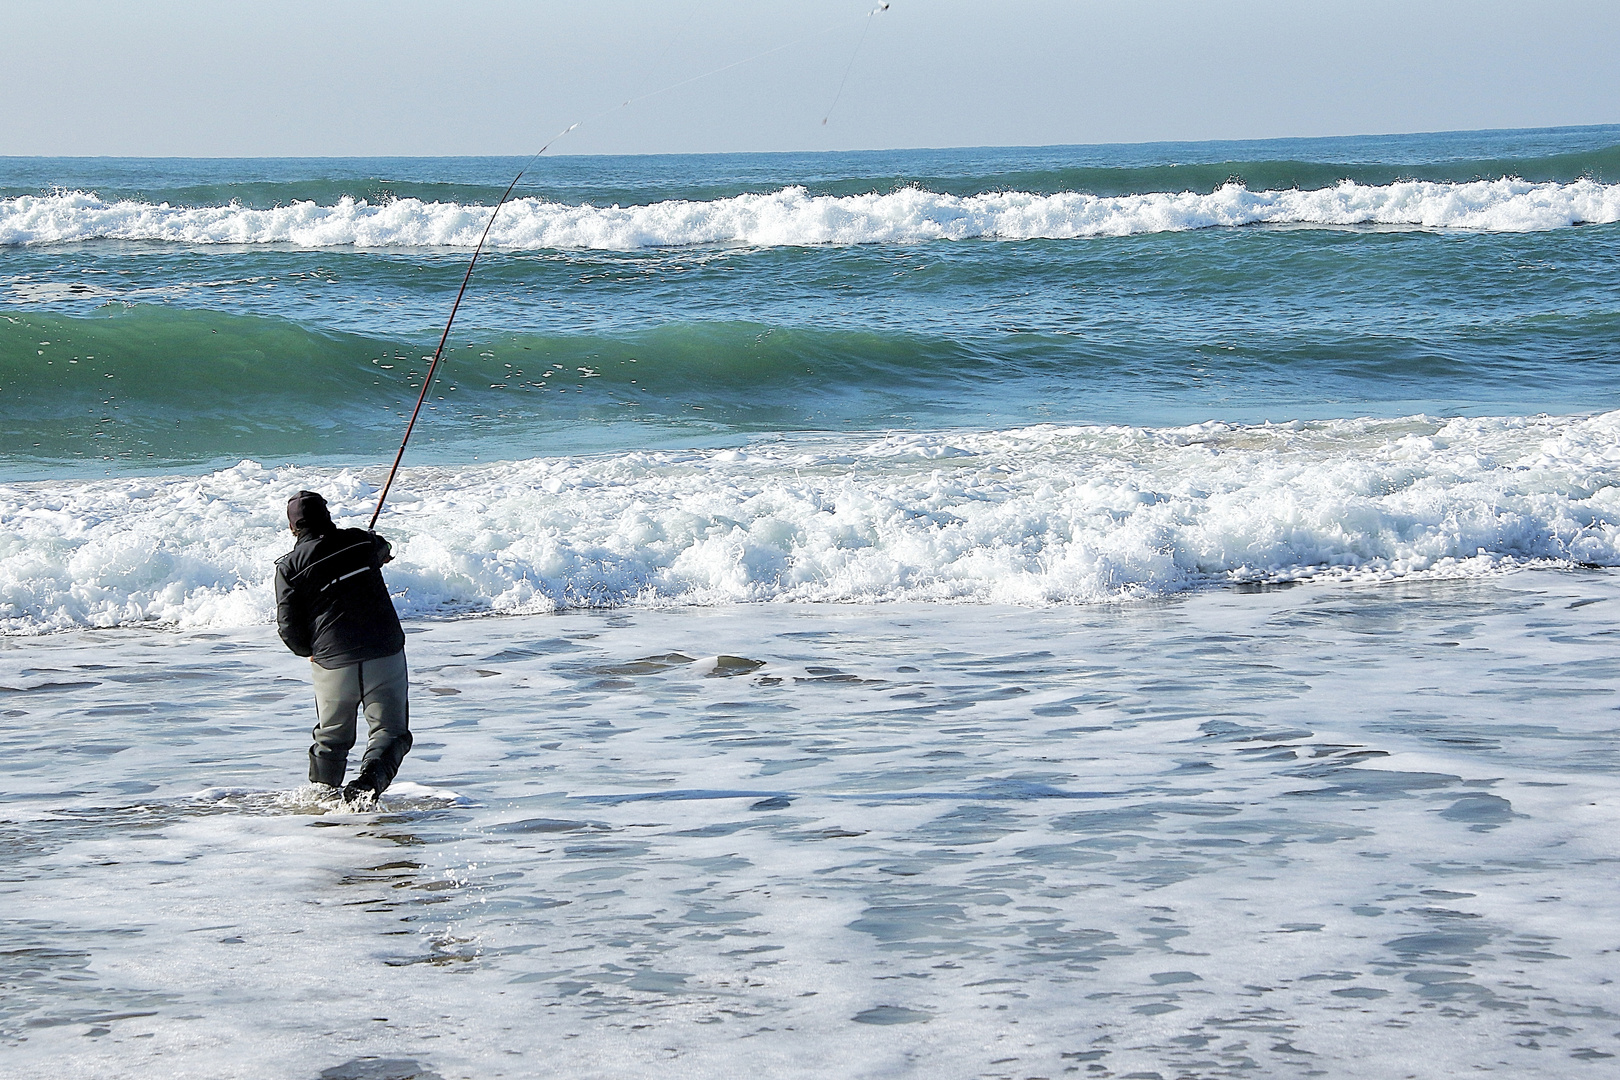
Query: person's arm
{"type": "Point", "coordinates": [291, 620]}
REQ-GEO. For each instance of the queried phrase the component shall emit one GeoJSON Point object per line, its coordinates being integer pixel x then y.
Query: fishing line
{"type": "Point", "coordinates": [883, 6]}
{"type": "Point", "coordinates": [438, 353]}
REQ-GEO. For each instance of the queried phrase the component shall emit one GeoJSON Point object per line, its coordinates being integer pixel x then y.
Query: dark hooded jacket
{"type": "Point", "coordinates": [332, 604]}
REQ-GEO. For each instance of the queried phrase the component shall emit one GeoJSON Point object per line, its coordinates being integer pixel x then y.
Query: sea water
{"type": "Point", "coordinates": [1103, 611]}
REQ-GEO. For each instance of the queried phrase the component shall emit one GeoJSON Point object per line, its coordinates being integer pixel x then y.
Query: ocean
{"type": "Point", "coordinates": [1138, 610]}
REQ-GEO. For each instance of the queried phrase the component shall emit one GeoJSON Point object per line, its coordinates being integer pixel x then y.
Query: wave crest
{"type": "Point", "coordinates": [1034, 515]}
{"type": "Point", "coordinates": [794, 217]}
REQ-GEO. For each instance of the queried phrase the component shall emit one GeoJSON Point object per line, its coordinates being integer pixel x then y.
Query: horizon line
{"type": "Point", "coordinates": [809, 153]}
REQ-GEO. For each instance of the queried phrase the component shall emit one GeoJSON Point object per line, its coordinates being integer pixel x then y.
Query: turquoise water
{"type": "Point", "coordinates": [152, 321]}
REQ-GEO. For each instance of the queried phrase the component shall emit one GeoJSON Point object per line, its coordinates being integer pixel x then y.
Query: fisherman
{"type": "Point", "coordinates": [333, 607]}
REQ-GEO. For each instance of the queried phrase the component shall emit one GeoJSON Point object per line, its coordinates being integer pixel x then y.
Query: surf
{"type": "Point", "coordinates": [1044, 515]}
{"type": "Point", "coordinates": [793, 216]}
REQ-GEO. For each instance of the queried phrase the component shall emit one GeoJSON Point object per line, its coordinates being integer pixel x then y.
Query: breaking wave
{"type": "Point", "coordinates": [1038, 515]}
{"type": "Point", "coordinates": [793, 216]}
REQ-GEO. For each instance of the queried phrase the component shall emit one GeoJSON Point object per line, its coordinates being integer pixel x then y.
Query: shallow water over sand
{"type": "Point", "coordinates": [1334, 831]}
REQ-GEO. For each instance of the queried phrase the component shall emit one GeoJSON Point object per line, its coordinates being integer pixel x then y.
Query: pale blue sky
{"type": "Point", "coordinates": [422, 77]}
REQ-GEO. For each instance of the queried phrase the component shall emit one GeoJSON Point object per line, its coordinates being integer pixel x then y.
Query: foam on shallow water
{"type": "Point", "coordinates": [1337, 830]}
{"type": "Point", "coordinates": [1034, 516]}
{"type": "Point", "coordinates": [320, 799]}
{"type": "Point", "coordinates": [792, 216]}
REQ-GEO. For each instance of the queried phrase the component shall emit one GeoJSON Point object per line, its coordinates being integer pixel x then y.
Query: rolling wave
{"type": "Point", "coordinates": [172, 384]}
{"type": "Point", "coordinates": [151, 384]}
{"type": "Point", "coordinates": [793, 216]}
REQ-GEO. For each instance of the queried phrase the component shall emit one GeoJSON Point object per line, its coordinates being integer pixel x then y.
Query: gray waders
{"type": "Point", "coordinates": [379, 686]}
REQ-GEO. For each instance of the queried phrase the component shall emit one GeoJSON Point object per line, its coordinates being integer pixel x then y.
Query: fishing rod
{"type": "Point", "coordinates": [438, 353]}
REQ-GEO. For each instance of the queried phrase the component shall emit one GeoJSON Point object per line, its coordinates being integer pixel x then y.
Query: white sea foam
{"type": "Point", "coordinates": [792, 216]}
{"type": "Point", "coordinates": [1033, 516]}
{"type": "Point", "coordinates": [1216, 838]}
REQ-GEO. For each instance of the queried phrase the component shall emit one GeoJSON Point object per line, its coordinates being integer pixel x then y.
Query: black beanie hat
{"type": "Point", "coordinates": [306, 512]}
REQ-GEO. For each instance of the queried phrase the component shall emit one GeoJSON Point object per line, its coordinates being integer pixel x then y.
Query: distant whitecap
{"type": "Point", "coordinates": [792, 216]}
